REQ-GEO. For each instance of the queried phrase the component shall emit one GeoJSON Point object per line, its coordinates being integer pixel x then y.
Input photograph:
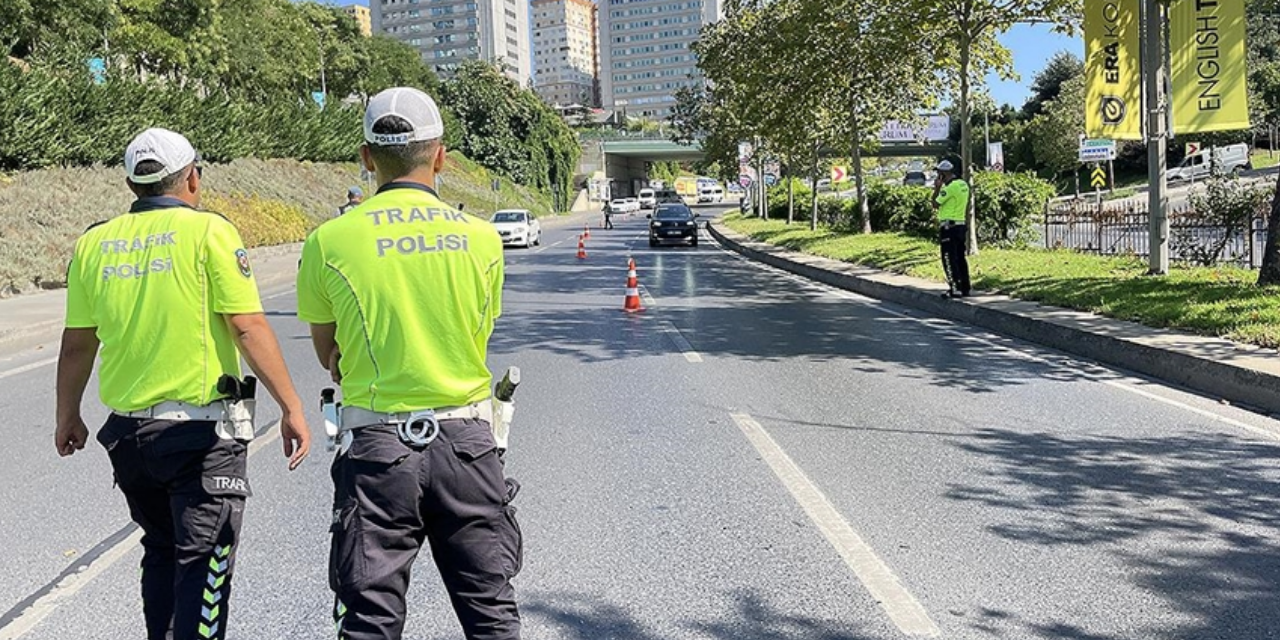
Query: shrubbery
{"type": "Point", "coordinates": [1008, 206]}
{"type": "Point", "coordinates": [261, 222]}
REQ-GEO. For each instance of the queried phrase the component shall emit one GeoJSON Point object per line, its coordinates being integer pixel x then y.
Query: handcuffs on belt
{"type": "Point", "coordinates": [420, 429]}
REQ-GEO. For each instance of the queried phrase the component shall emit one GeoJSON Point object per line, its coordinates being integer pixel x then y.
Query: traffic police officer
{"type": "Point", "coordinates": [168, 294]}
{"type": "Point", "coordinates": [401, 294]}
{"type": "Point", "coordinates": [951, 199]}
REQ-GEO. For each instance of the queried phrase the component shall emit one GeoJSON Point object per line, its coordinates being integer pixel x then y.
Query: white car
{"type": "Point", "coordinates": [517, 227]}
{"type": "Point", "coordinates": [624, 205]}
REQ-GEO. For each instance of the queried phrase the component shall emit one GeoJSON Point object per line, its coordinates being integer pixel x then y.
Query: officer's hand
{"type": "Point", "coordinates": [296, 438]}
{"type": "Point", "coordinates": [71, 436]}
{"type": "Point", "coordinates": [334, 372]}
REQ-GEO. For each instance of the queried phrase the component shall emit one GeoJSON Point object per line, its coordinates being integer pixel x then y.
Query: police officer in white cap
{"type": "Point", "coordinates": [402, 293]}
{"type": "Point", "coordinates": [168, 294]}
{"type": "Point", "coordinates": [951, 201]}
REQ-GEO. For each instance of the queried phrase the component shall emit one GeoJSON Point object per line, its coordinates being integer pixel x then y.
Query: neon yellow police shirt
{"type": "Point", "coordinates": [414, 288]}
{"type": "Point", "coordinates": [154, 283]}
{"type": "Point", "coordinates": [953, 200]}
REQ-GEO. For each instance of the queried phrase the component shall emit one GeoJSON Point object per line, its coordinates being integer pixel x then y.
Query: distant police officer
{"type": "Point", "coordinates": [168, 293]}
{"type": "Point", "coordinates": [355, 195]}
{"type": "Point", "coordinates": [401, 294]}
{"type": "Point", "coordinates": [951, 199]}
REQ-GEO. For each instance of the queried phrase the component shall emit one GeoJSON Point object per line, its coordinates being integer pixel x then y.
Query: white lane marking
{"type": "Point", "coordinates": [67, 587]}
{"type": "Point", "coordinates": [1102, 374]}
{"type": "Point", "coordinates": [898, 603]}
{"type": "Point", "coordinates": [682, 343]}
{"type": "Point", "coordinates": [28, 367]}
{"type": "Point", "coordinates": [545, 247]}
{"type": "Point", "coordinates": [74, 583]}
{"type": "Point", "coordinates": [279, 294]}
{"type": "Point", "coordinates": [648, 299]}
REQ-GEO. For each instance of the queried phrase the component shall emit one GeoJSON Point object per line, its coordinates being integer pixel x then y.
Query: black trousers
{"type": "Point", "coordinates": [954, 261]}
{"type": "Point", "coordinates": [608, 221]}
{"type": "Point", "coordinates": [389, 497]}
{"type": "Point", "coordinates": [186, 489]}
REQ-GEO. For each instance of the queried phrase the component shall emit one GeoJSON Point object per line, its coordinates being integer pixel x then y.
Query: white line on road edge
{"type": "Point", "coordinates": [681, 343]}
{"type": "Point", "coordinates": [947, 327]}
{"type": "Point", "coordinates": [902, 607]}
{"type": "Point", "coordinates": [28, 367]}
{"type": "Point", "coordinates": [75, 582]}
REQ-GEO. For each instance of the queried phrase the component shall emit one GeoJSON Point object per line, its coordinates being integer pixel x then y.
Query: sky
{"type": "Point", "coordinates": [1032, 46]}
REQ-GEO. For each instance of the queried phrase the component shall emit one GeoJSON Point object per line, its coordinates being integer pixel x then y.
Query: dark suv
{"type": "Point", "coordinates": [673, 223]}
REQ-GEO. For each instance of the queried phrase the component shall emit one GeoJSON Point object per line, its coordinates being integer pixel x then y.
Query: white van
{"type": "Point", "coordinates": [710, 194]}
{"type": "Point", "coordinates": [648, 199]}
{"type": "Point", "coordinates": [1225, 160]}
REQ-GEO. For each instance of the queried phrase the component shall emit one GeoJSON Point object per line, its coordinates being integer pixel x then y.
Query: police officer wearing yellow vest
{"type": "Point", "coordinates": [167, 292]}
{"type": "Point", "coordinates": [951, 199]}
{"type": "Point", "coordinates": [401, 293]}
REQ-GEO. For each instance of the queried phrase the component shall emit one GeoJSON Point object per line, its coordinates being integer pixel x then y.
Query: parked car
{"type": "Point", "coordinates": [624, 205]}
{"type": "Point", "coordinates": [648, 199]}
{"type": "Point", "coordinates": [915, 179]}
{"type": "Point", "coordinates": [673, 223]}
{"type": "Point", "coordinates": [517, 227]}
{"type": "Point", "coordinates": [1223, 160]}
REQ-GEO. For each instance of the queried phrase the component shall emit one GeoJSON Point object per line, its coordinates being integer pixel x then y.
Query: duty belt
{"type": "Point", "coordinates": [175, 410]}
{"type": "Point", "coordinates": [415, 427]}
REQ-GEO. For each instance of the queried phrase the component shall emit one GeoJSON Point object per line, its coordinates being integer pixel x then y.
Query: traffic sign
{"type": "Point", "coordinates": [1097, 150]}
{"type": "Point", "coordinates": [770, 179]}
{"type": "Point", "coordinates": [839, 174]}
{"type": "Point", "coordinates": [744, 180]}
{"type": "Point", "coordinates": [1193, 148]}
{"type": "Point", "coordinates": [1099, 180]}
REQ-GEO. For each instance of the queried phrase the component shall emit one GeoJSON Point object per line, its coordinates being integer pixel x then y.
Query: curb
{"type": "Point", "coordinates": [1237, 384]}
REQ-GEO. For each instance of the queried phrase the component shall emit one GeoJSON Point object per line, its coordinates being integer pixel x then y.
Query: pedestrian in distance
{"type": "Point", "coordinates": [951, 201]}
{"type": "Point", "coordinates": [166, 291]}
{"type": "Point", "coordinates": [608, 216]}
{"type": "Point", "coordinates": [417, 456]}
{"type": "Point", "coordinates": [355, 195]}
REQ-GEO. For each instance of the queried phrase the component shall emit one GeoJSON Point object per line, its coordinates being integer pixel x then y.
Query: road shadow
{"type": "Point", "coordinates": [580, 616]}
{"type": "Point", "coordinates": [1194, 517]}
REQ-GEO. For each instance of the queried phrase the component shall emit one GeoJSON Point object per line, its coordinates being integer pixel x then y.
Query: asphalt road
{"type": "Point", "coordinates": [753, 457]}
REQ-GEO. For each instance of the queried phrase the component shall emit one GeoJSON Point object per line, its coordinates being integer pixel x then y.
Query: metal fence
{"type": "Point", "coordinates": [1121, 228]}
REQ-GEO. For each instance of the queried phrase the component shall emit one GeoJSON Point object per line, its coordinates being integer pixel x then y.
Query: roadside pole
{"type": "Point", "coordinates": [1157, 144]}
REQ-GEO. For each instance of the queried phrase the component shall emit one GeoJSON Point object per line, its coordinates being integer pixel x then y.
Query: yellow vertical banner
{"type": "Point", "coordinates": [1113, 82]}
{"type": "Point", "coordinates": [1206, 46]}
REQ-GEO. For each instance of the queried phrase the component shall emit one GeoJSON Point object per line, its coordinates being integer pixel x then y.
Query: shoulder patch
{"type": "Point", "coordinates": [242, 260]}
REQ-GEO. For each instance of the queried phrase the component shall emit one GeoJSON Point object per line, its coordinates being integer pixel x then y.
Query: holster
{"type": "Point", "coordinates": [237, 421]}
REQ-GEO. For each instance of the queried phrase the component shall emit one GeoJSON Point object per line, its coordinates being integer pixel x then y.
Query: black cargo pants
{"type": "Point", "coordinates": [389, 497]}
{"type": "Point", "coordinates": [186, 489]}
{"type": "Point", "coordinates": [952, 238]}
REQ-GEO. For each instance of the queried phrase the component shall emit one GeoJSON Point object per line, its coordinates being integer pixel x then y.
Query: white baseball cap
{"type": "Point", "coordinates": [946, 165]}
{"type": "Point", "coordinates": [172, 150]}
{"type": "Point", "coordinates": [412, 105]}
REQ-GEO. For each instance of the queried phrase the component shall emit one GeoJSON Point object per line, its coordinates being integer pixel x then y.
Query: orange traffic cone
{"type": "Point", "coordinates": [632, 302]}
{"type": "Point", "coordinates": [586, 230]}
{"type": "Point", "coordinates": [582, 248]}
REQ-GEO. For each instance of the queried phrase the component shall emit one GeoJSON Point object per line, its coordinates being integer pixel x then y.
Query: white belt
{"type": "Point", "coordinates": [356, 417]}
{"type": "Point", "coordinates": [175, 410]}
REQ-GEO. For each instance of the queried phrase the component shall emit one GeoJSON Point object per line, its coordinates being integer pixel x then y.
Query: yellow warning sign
{"type": "Point", "coordinates": [1099, 180]}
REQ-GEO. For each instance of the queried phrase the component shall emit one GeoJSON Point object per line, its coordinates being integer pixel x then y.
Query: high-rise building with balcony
{"type": "Point", "coordinates": [645, 52]}
{"type": "Point", "coordinates": [362, 17]}
{"type": "Point", "coordinates": [564, 51]}
{"type": "Point", "coordinates": [448, 32]}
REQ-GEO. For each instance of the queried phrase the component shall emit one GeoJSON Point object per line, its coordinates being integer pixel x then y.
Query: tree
{"type": "Point", "coordinates": [1055, 132]}
{"type": "Point", "coordinates": [964, 32]}
{"type": "Point", "coordinates": [1047, 85]}
{"type": "Point", "coordinates": [1270, 272]}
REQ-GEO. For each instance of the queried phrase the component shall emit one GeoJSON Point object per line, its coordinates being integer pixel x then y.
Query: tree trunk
{"type": "Point", "coordinates": [966, 136]}
{"type": "Point", "coordinates": [813, 196]}
{"type": "Point", "coordinates": [1270, 272]}
{"type": "Point", "coordinates": [791, 196]}
{"type": "Point", "coordinates": [860, 183]}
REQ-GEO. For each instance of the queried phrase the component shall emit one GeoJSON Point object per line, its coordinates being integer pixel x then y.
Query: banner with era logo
{"type": "Point", "coordinates": [1113, 87]}
{"type": "Point", "coordinates": [1207, 49]}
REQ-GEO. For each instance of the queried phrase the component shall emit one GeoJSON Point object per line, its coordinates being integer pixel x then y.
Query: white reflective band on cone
{"type": "Point", "coordinates": [633, 291]}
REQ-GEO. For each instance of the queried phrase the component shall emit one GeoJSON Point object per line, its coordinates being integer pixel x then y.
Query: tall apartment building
{"type": "Point", "coordinates": [448, 32]}
{"type": "Point", "coordinates": [645, 52]}
{"type": "Point", "coordinates": [564, 51]}
{"type": "Point", "coordinates": [362, 17]}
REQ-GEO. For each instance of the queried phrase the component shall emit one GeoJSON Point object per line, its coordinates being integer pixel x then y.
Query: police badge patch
{"type": "Point", "coordinates": [242, 259]}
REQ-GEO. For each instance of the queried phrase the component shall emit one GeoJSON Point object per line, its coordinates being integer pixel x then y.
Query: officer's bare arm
{"type": "Point", "coordinates": [75, 365]}
{"type": "Point", "coordinates": [325, 342]}
{"type": "Point", "coordinates": [257, 342]}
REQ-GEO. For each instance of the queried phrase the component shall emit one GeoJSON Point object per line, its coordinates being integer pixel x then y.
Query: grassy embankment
{"type": "Point", "coordinates": [270, 201]}
{"type": "Point", "coordinates": [1220, 301]}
